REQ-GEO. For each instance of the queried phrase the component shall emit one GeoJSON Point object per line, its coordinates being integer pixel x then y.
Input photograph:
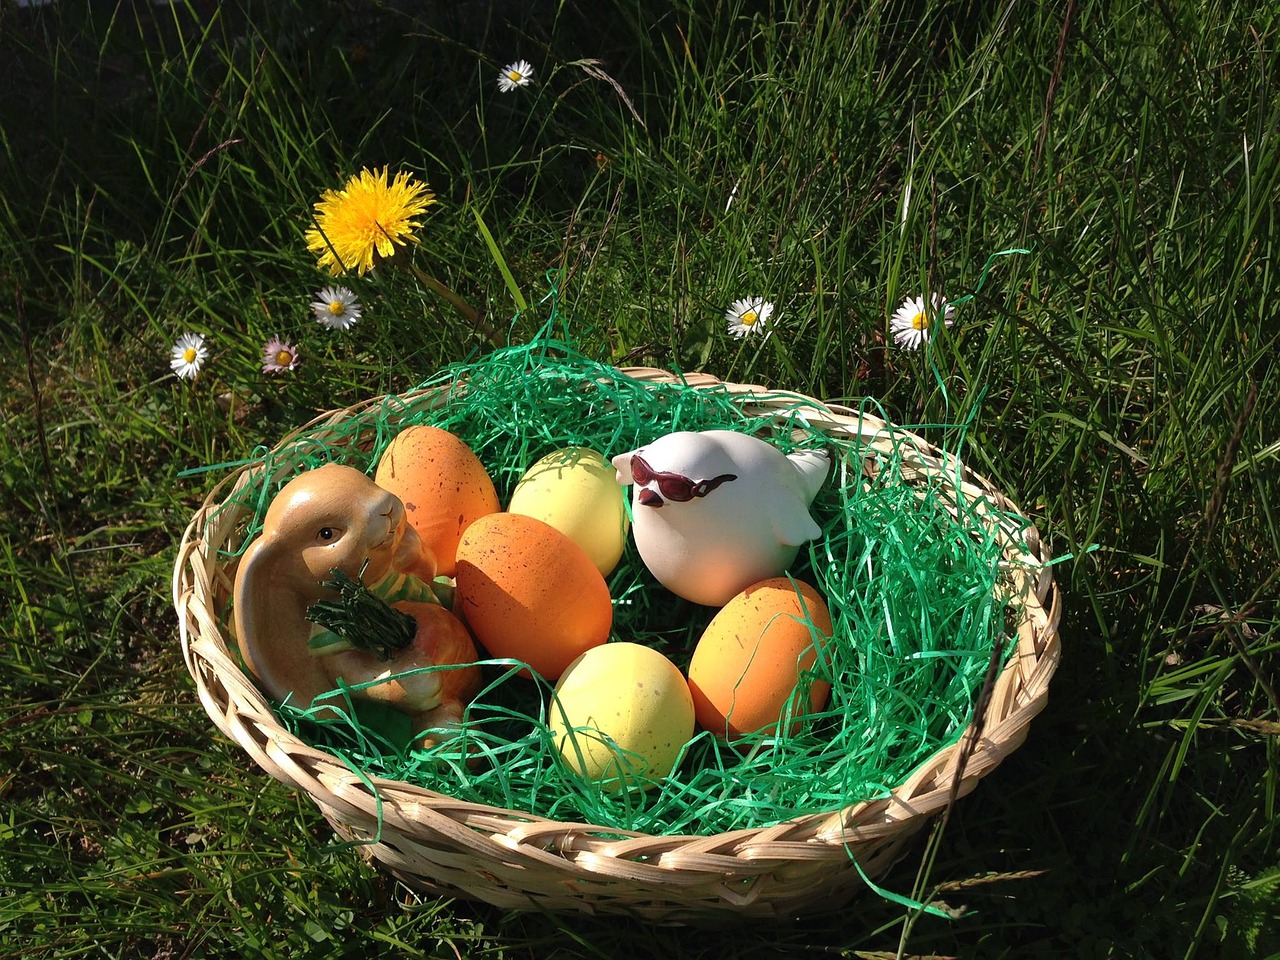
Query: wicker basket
{"type": "Point", "coordinates": [518, 860]}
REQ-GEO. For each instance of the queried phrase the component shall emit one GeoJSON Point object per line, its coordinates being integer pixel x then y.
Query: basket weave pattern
{"type": "Point", "coordinates": [518, 860]}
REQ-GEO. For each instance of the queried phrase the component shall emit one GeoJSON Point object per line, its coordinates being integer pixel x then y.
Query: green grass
{"type": "Point", "coordinates": [157, 166]}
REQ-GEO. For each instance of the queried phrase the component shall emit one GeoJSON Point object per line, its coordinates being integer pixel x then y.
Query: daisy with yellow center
{"type": "Point", "coordinates": [748, 316]}
{"type": "Point", "coordinates": [279, 356]}
{"type": "Point", "coordinates": [366, 220]}
{"type": "Point", "coordinates": [189, 354]}
{"type": "Point", "coordinates": [518, 74]}
{"type": "Point", "coordinates": [913, 323]}
{"type": "Point", "coordinates": [336, 308]}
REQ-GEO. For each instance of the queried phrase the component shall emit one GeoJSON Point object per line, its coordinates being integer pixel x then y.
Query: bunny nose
{"type": "Point", "coordinates": [394, 511]}
{"type": "Point", "coordinates": [650, 498]}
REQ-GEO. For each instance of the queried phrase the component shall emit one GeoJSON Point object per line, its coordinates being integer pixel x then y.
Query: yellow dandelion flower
{"type": "Point", "coordinates": [367, 218]}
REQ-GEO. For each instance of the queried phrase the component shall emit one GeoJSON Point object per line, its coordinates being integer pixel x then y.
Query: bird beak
{"type": "Point", "coordinates": [622, 463]}
{"type": "Point", "coordinates": [650, 498]}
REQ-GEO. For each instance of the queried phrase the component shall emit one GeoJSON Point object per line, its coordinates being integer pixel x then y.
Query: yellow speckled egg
{"type": "Point", "coordinates": [576, 491]}
{"type": "Point", "coordinates": [749, 659]}
{"type": "Point", "coordinates": [631, 695]}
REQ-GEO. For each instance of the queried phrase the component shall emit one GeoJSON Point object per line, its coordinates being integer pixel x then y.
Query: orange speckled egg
{"type": "Point", "coordinates": [750, 657]}
{"type": "Point", "coordinates": [529, 592]}
{"type": "Point", "coordinates": [443, 484]}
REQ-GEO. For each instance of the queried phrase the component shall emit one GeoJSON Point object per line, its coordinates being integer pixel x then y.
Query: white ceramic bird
{"type": "Point", "coordinates": [716, 511]}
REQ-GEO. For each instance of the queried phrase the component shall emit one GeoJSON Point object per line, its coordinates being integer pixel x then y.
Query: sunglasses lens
{"type": "Point", "coordinates": [640, 471]}
{"type": "Point", "coordinates": [675, 488]}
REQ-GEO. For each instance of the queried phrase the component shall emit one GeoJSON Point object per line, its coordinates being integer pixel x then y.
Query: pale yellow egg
{"type": "Point", "coordinates": [621, 715]}
{"type": "Point", "coordinates": [576, 491]}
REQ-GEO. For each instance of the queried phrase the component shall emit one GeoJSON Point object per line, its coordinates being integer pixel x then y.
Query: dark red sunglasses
{"type": "Point", "coordinates": [675, 486]}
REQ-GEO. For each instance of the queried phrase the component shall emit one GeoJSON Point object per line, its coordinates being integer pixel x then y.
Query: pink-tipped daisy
{"type": "Point", "coordinates": [336, 308]}
{"type": "Point", "coordinates": [518, 74]}
{"type": "Point", "coordinates": [913, 323]}
{"type": "Point", "coordinates": [749, 315]}
{"type": "Point", "coordinates": [189, 354]}
{"type": "Point", "coordinates": [279, 356]}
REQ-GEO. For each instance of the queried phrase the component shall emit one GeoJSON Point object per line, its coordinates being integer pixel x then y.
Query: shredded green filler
{"type": "Point", "coordinates": [909, 573]}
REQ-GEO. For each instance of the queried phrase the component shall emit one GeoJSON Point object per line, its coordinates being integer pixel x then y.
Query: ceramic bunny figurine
{"type": "Point", "coordinates": [335, 521]}
{"type": "Point", "coordinates": [716, 511]}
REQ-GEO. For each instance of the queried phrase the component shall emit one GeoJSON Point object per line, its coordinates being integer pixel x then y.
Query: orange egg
{"type": "Point", "coordinates": [749, 659]}
{"type": "Point", "coordinates": [443, 484]}
{"type": "Point", "coordinates": [530, 593]}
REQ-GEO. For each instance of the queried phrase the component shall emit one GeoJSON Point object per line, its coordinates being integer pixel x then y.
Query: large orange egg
{"type": "Point", "coordinates": [443, 484]}
{"type": "Point", "coordinates": [530, 593]}
{"type": "Point", "coordinates": [749, 659]}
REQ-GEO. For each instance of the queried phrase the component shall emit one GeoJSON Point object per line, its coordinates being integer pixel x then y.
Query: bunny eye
{"type": "Point", "coordinates": [327, 534]}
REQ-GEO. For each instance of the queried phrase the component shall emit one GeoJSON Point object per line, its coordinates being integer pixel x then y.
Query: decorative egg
{"type": "Point", "coordinates": [530, 593]}
{"type": "Point", "coordinates": [576, 491]}
{"type": "Point", "coordinates": [621, 715]}
{"type": "Point", "coordinates": [749, 660]}
{"type": "Point", "coordinates": [443, 485]}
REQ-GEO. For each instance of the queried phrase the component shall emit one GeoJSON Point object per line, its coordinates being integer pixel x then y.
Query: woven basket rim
{"type": "Point", "coordinates": [636, 868]}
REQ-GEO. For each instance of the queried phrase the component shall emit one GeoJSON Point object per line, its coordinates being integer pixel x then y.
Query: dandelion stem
{"type": "Point", "coordinates": [468, 312]}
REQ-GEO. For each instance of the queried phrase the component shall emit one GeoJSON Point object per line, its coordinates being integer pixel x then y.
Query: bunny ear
{"type": "Point", "coordinates": [622, 463]}
{"type": "Point", "coordinates": [272, 635]}
{"type": "Point", "coordinates": [248, 604]}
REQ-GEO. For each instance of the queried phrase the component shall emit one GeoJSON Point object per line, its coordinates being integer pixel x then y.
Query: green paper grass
{"type": "Point", "coordinates": [910, 577]}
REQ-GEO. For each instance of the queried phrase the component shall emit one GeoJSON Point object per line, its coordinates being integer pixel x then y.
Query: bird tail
{"type": "Point", "coordinates": [812, 466]}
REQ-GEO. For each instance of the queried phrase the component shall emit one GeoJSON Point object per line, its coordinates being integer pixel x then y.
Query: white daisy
{"type": "Point", "coordinates": [518, 74]}
{"type": "Point", "coordinates": [912, 323]}
{"type": "Point", "coordinates": [336, 308]}
{"type": "Point", "coordinates": [188, 355]}
{"type": "Point", "coordinates": [748, 316]}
